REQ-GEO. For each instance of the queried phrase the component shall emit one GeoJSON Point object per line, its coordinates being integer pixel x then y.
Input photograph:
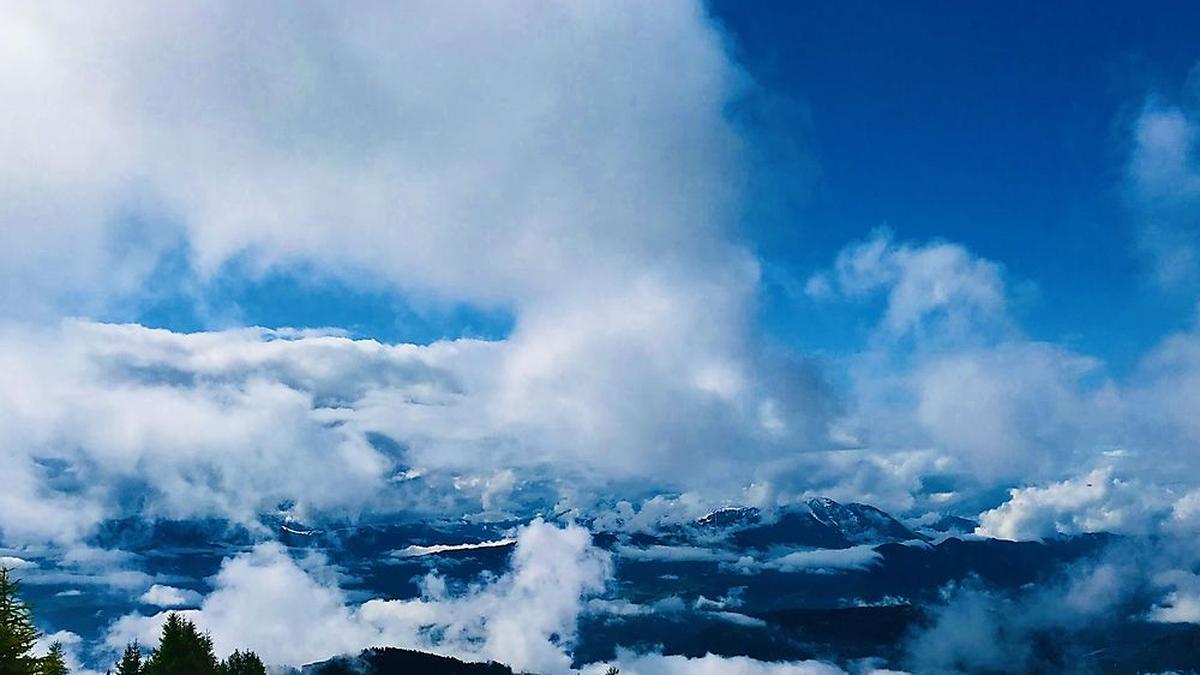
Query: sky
{"type": "Point", "coordinates": [451, 259]}
{"type": "Point", "coordinates": [993, 127]}
{"type": "Point", "coordinates": [768, 238]}
{"type": "Point", "coordinates": [1003, 128]}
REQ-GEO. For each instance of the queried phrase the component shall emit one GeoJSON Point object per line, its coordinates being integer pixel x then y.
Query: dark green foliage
{"type": "Point", "coordinates": [54, 662]}
{"type": "Point", "coordinates": [388, 660]}
{"type": "Point", "coordinates": [17, 633]}
{"type": "Point", "coordinates": [131, 660]}
{"type": "Point", "coordinates": [612, 670]}
{"type": "Point", "coordinates": [243, 663]}
{"type": "Point", "coordinates": [182, 650]}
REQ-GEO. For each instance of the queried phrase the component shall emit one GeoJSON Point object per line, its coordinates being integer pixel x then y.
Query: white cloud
{"type": "Point", "coordinates": [209, 423]}
{"type": "Point", "coordinates": [498, 154]}
{"type": "Point", "coordinates": [540, 157]}
{"type": "Point", "coordinates": [1164, 191]}
{"type": "Point", "coordinates": [1181, 603]}
{"type": "Point", "coordinates": [653, 513]}
{"type": "Point", "coordinates": [949, 385]}
{"type": "Point", "coordinates": [947, 370]}
{"type": "Point", "coordinates": [827, 560]}
{"type": "Point", "coordinates": [528, 156]}
{"type": "Point", "coordinates": [821, 561]}
{"type": "Point", "coordinates": [669, 605]}
{"type": "Point", "coordinates": [231, 423]}
{"type": "Point", "coordinates": [1095, 502]}
{"type": "Point", "coordinates": [415, 551]}
{"type": "Point", "coordinates": [1017, 409]}
{"type": "Point", "coordinates": [711, 664]}
{"type": "Point", "coordinates": [292, 613]}
{"type": "Point", "coordinates": [941, 284]}
{"type": "Point", "coordinates": [72, 644]}
{"type": "Point", "coordinates": [1178, 608]}
{"type": "Point", "coordinates": [161, 595]}
{"type": "Point", "coordinates": [948, 373]}
{"type": "Point", "coordinates": [676, 553]}
{"type": "Point", "coordinates": [1161, 397]}
{"type": "Point", "coordinates": [82, 565]}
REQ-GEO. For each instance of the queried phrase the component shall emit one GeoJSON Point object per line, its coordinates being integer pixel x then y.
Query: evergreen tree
{"type": "Point", "coordinates": [17, 634]}
{"type": "Point", "coordinates": [54, 662]}
{"type": "Point", "coordinates": [131, 660]}
{"type": "Point", "coordinates": [182, 650]}
{"type": "Point", "coordinates": [243, 663]}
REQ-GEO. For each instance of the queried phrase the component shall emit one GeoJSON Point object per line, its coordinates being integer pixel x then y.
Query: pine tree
{"type": "Point", "coordinates": [243, 663]}
{"type": "Point", "coordinates": [54, 662]}
{"type": "Point", "coordinates": [182, 650]}
{"type": "Point", "coordinates": [131, 660]}
{"type": "Point", "coordinates": [17, 634]}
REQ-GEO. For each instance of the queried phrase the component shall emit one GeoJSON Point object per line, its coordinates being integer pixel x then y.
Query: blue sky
{"type": "Point", "coordinates": [1004, 128]}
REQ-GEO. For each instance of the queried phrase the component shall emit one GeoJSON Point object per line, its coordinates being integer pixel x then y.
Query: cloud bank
{"type": "Point", "coordinates": [572, 163]}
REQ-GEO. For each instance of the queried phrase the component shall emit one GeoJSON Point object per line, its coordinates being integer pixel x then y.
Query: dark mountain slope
{"type": "Point", "coordinates": [392, 661]}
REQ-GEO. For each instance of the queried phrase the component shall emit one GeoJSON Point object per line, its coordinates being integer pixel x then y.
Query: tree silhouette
{"type": "Point", "coordinates": [182, 650]}
{"type": "Point", "coordinates": [17, 633]}
{"type": "Point", "coordinates": [131, 660]}
{"type": "Point", "coordinates": [54, 662]}
{"type": "Point", "coordinates": [243, 663]}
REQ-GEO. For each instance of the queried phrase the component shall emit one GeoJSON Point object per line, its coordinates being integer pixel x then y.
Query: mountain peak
{"type": "Point", "coordinates": [859, 523]}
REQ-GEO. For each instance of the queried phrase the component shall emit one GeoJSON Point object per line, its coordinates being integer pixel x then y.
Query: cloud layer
{"type": "Point", "coordinates": [572, 163]}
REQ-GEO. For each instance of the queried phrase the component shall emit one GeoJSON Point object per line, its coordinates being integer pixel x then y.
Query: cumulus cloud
{"type": "Point", "coordinates": [497, 154]}
{"type": "Point", "coordinates": [1095, 502]}
{"type": "Point", "coordinates": [931, 289]}
{"type": "Point", "coordinates": [948, 373]}
{"type": "Point", "coordinates": [292, 612]}
{"type": "Point", "coordinates": [947, 370]}
{"type": "Point", "coordinates": [592, 193]}
{"type": "Point", "coordinates": [161, 595]}
{"type": "Point", "coordinates": [541, 158]}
